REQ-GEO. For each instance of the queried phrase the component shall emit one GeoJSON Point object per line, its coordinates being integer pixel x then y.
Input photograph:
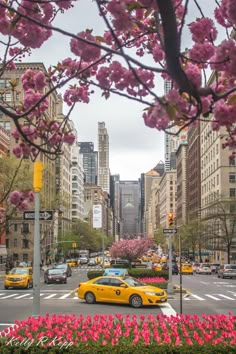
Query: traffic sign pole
{"type": "Point", "coordinates": [36, 260]}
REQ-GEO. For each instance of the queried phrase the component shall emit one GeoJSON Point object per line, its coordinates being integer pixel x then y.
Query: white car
{"type": "Point", "coordinates": [203, 268]}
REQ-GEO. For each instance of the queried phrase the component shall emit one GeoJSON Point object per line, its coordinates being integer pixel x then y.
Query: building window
{"type": "Point", "coordinates": [7, 243]}
{"type": "Point", "coordinates": [232, 177]}
{"type": "Point", "coordinates": [15, 227]}
{"type": "Point", "coordinates": [25, 243]}
{"type": "Point", "coordinates": [15, 242]}
{"type": "Point", "coordinates": [232, 161]}
{"type": "Point", "coordinates": [25, 257]}
{"type": "Point", "coordinates": [232, 192]}
{"type": "Point", "coordinates": [25, 228]}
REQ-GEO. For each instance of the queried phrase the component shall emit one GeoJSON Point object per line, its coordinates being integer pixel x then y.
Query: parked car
{"type": "Point", "coordinates": [72, 262]}
{"type": "Point", "coordinates": [227, 271]}
{"type": "Point", "coordinates": [195, 266]}
{"type": "Point", "coordinates": [175, 269]}
{"type": "Point", "coordinates": [120, 290]}
{"type": "Point", "coordinates": [19, 278]}
{"type": "Point", "coordinates": [83, 260]}
{"type": "Point", "coordinates": [204, 268]}
{"type": "Point", "coordinates": [186, 268]}
{"type": "Point", "coordinates": [66, 268]}
{"type": "Point", "coordinates": [215, 267]}
{"type": "Point", "coordinates": [120, 262]}
{"type": "Point", "coordinates": [55, 275]}
{"type": "Point", "coordinates": [92, 262]}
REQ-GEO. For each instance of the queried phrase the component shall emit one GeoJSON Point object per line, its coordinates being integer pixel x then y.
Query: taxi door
{"type": "Point", "coordinates": [117, 293]}
{"type": "Point", "coordinates": [101, 289]}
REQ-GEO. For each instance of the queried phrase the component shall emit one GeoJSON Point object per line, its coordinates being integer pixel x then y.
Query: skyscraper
{"type": "Point", "coordinates": [103, 158]}
{"type": "Point", "coordinates": [90, 162]}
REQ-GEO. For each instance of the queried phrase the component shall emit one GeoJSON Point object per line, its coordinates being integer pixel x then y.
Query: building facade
{"type": "Point", "coordinates": [103, 158]}
{"type": "Point", "coordinates": [90, 162]}
{"type": "Point", "coordinates": [129, 208]}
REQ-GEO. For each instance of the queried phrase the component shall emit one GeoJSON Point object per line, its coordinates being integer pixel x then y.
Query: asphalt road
{"type": "Point", "coordinates": [206, 294]}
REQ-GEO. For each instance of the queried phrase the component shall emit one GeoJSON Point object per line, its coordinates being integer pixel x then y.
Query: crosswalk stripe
{"type": "Point", "coordinates": [212, 297]}
{"type": "Point", "coordinates": [197, 297]}
{"type": "Point", "coordinates": [6, 297]}
{"type": "Point", "coordinates": [75, 297]}
{"type": "Point", "coordinates": [64, 296]}
{"type": "Point", "coordinates": [226, 297]}
{"type": "Point", "coordinates": [21, 296]}
{"type": "Point", "coordinates": [50, 296]}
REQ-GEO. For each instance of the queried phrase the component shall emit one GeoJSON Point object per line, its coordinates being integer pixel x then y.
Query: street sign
{"type": "Point", "coordinates": [46, 215]}
{"type": "Point", "coordinates": [170, 231]}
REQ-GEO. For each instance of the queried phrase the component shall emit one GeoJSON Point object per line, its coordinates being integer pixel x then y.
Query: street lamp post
{"type": "Point", "coordinates": [37, 184]}
{"type": "Point", "coordinates": [170, 284]}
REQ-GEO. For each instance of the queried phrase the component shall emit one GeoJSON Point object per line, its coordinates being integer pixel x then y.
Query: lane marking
{"type": "Point", "coordinates": [212, 297]}
{"type": "Point", "coordinates": [226, 297]}
{"type": "Point", "coordinates": [64, 296]}
{"type": "Point", "coordinates": [8, 296]}
{"type": "Point", "coordinates": [21, 296]}
{"type": "Point", "coordinates": [168, 310]}
{"type": "Point", "coordinates": [198, 297]}
{"type": "Point", "coordinates": [50, 296]}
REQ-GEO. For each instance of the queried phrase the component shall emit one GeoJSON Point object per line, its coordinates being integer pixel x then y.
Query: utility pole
{"type": "Point", "coordinates": [170, 224]}
{"type": "Point", "coordinates": [37, 185]}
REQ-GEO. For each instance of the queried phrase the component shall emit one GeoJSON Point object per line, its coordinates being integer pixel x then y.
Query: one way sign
{"type": "Point", "coordinates": [46, 215]}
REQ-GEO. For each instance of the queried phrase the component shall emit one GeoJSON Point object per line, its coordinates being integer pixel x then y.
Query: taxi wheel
{"type": "Point", "coordinates": [6, 287]}
{"type": "Point", "coordinates": [136, 301]}
{"type": "Point", "coordinates": [90, 298]}
{"type": "Point", "coordinates": [28, 285]}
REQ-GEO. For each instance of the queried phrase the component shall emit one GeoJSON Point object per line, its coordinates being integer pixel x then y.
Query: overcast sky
{"type": "Point", "coordinates": [134, 148]}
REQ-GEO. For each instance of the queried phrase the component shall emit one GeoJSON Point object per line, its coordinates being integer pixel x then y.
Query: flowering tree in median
{"type": "Point", "coordinates": [130, 249]}
{"type": "Point", "coordinates": [114, 62]}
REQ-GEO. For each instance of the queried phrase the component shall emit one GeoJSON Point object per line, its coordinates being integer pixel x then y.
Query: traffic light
{"type": "Point", "coordinates": [171, 219]}
{"type": "Point", "coordinates": [38, 176]}
{"type": "Point", "coordinates": [74, 245]}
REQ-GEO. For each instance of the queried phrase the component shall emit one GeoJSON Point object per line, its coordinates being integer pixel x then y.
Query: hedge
{"type": "Point", "coordinates": [136, 273]}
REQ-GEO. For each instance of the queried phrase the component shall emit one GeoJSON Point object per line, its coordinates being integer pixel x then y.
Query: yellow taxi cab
{"type": "Point", "coordinates": [157, 266]}
{"type": "Point", "coordinates": [186, 268]}
{"type": "Point", "coordinates": [72, 262]}
{"type": "Point", "coordinates": [121, 290]}
{"type": "Point", "coordinates": [19, 278]}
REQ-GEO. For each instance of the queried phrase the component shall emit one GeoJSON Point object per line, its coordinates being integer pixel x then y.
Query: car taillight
{"type": "Point", "coordinates": [79, 285]}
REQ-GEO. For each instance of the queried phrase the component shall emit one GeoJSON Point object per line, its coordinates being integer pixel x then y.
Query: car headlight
{"type": "Point", "coordinates": [150, 293]}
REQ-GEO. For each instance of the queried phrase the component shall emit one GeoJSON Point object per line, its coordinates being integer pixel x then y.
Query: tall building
{"type": "Point", "coordinates": [115, 204]}
{"type": "Point", "coordinates": [129, 208]}
{"type": "Point", "coordinates": [103, 158]}
{"type": "Point", "coordinates": [20, 233]}
{"type": "Point", "coordinates": [193, 173]}
{"type": "Point", "coordinates": [181, 192]}
{"type": "Point", "coordinates": [4, 151]}
{"type": "Point", "coordinates": [172, 140]}
{"type": "Point", "coordinates": [90, 162]}
{"type": "Point", "coordinates": [167, 196]}
{"type": "Point", "coordinates": [77, 174]}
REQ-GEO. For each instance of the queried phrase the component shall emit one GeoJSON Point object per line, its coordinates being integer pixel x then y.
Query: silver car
{"type": "Point", "coordinates": [203, 268]}
{"type": "Point", "coordinates": [227, 271]}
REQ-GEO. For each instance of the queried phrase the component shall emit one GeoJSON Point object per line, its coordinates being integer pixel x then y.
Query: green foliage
{"type": "Point", "coordinates": [150, 273]}
{"type": "Point", "coordinates": [84, 236]}
{"type": "Point", "coordinates": [15, 175]}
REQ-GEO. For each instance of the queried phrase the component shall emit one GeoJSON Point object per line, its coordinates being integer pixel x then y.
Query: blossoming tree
{"type": "Point", "coordinates": [130, 249]}
{"type": "Point", "coordinates": [137, 32]}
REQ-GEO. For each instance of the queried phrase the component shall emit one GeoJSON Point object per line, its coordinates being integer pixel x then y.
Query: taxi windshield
{"type": "Point", "coordinates": [133, 282]}
{"type": "Point", "coordinates": [19, 271]}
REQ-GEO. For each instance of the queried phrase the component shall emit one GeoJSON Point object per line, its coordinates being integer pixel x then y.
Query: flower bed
{"type": "Point", "coordinates": [160, 282]}
{"type": "Point", "coordinates": [117, 334]}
